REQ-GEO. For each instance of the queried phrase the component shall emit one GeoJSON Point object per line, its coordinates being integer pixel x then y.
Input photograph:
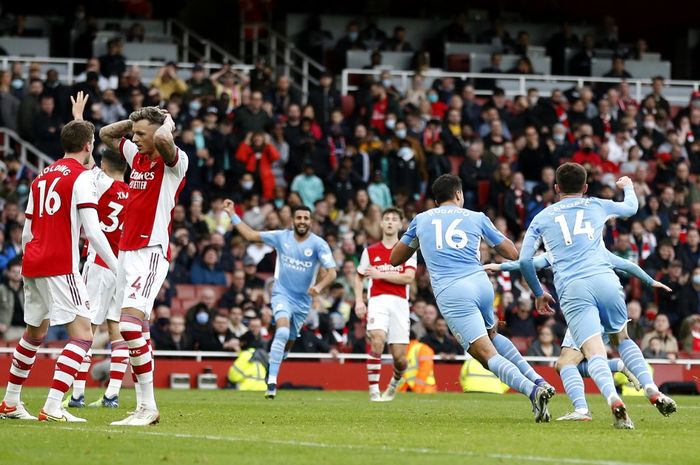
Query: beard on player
{"type": "Point", "coordinates": [301, 228]}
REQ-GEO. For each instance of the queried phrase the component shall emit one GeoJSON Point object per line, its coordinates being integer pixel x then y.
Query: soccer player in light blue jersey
{"type": "Point", "coordinates": [300, 254]}
{"type": "Point", "coordinates": [449, 238]}
{"type": "Point", "coordinates": [571, 365]}
{"type": "Point", "coordinates": [589, 291]}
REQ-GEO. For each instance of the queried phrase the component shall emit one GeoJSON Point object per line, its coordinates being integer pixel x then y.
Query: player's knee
{"type": "Point", "coordinates": [282, 334]}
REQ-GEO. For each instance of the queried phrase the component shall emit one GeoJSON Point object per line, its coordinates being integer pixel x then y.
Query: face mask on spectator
{"type": "Point", "coordinates": [202, 318]}
{"type": "Point", "coordinates": [198, 129]}
{"type": "Point", "coordinates": [387, 83]}
{"type": "Point", "coordinates": [279, 203]}
{"type": "Point", "coordinates": [353, 35]}
{"type": "Point", "coordinates": [405, 153]}
{"type": "Point", "coordinates": [22, 189]}
{"type": "Point", "coordinates": [17, 83]}
{"type": "Point", "coordinates": [433, 98]}
{"type": "Point", "coordinates": [558, 138]}
{"type": "Point", "coordinates": [696, 280]}
{"type": "Point", "coordinates": [649, 125]}
{"type": "Point", "coordinates": [401, 133]}
{"type": "Point", "coordinates": [247, 185]}
{"type": "Point", "coordinates": [390, 123]}
{"type": "Point", "coordinates": [195, 105]}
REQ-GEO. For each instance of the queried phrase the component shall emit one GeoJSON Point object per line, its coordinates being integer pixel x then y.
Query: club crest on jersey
{"type": "Point", "coordinates": [308, 252]}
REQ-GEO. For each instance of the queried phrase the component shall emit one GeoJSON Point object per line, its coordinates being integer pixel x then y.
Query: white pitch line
{"type": "Point", "coordinates": [323, 445]}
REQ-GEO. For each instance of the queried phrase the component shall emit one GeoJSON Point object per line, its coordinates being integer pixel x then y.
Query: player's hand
{"type": "Point", "coordinates": [542, 304]}
{"type": "Point", "coordinates": [360, 309]}
{"type": "Point", "coordinates": [659, 285]}
{"type": "Point", "coordinates": [492, 267]}
{"type": "Point", "coordinates": [314, 291]}
{"type": "Point", "coordinates": [78, 105]}
{"type": "Point", "coordinates": [229, 207]}
{"type": "Point", "coordinates": [169, 123]}
{"type": "Point", "coordinates": [373, 273]}
{"type": "Point", "coordinates": [623, 182]}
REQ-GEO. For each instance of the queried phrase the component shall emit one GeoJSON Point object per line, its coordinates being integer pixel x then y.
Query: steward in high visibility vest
{"type": "Point", "coordinates": [248, 371]}
{"type": "Point", "coordinates": [473, 377]}
{"type": "Point", "coordinates": [419, 376]}
{"type": "Point", "coordinates": [627, 388]}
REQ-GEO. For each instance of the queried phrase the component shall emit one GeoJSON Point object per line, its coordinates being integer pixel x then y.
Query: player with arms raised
{"type": "Point", "coordinates": [112, 194]}
{"type": "Point", "coordinates": [590, 293]}
{"type": "Point", "coordinates": [387, 311]}
{"type": "Point", "coordinates": [62, 199]}
{"type": "Point", "coordinates": [158, 170]}
{"type": "Point", "coordinates": [299, 255]}
{"type": "Point", "coordinates": [449, 238]}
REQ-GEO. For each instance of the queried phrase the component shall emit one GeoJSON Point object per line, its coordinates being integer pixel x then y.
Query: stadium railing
{"type": "Point", "coordinates": [28, 154]}
{"type": "Point", "coordinates": [677, 92]}
{"type": "Point", "coordinates": [341, 357]}
{"type": "Point", "coordinates": [66, 67]}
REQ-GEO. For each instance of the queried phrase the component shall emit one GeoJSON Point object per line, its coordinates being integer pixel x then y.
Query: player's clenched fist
{"type": "Point", "coordinates": [623, 182]}
{"type": "Point", "coordinates": [229, 207]}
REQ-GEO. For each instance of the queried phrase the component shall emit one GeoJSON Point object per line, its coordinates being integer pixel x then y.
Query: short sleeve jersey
{"type": "Point", "coordinates": [449, 238]}
{"type": "Point", "coordinates": [297, 262]}
{"type": "Point", "coordinates": [56, 195]}
{"type": "Point", "coordinates": [154, 187]}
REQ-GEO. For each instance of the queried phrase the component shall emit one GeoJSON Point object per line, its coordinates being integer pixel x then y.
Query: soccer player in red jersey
{"type": "Point", "coordinates": [157, 177]}
{"type": "Point", "coordinates": [112, 193]}
{"type": "Point", "coordinates": [62, 200]}
{"type": "Point", "coordinates": [387, 310]}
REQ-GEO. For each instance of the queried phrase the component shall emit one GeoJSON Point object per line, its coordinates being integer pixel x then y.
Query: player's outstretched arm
{"type": "Point", "coordinates": [164, 142]}
{"type": "Point", "coordinates": [112, 134]}
{"type": "Point", "coordinates": [400, 254]}
{"type": "Point", "coordinates": [248, 233]}
{"type": "Point", "coordinates": [629, 205]}
{"type": "Point", "coordinates": [633, 269]}
{"type": "Point", "coordinates": [91, 225]}
{"type": "Point", "coordinates": [541, 261]}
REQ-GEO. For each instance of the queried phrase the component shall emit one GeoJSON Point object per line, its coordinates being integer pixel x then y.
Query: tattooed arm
{"type": "Point", "coordinates": [163, 139]}
{"type": "Point", "coordinates": [112, 134]}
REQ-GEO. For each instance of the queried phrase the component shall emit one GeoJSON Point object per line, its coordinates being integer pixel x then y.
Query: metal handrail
{"type": "Point", "coordinates": [341, 357]}
{"type": "Point", "coordinates": [188, 36]}
{"type": "Point", "coordinates": [72, 62]}
{"type": "Point", "coordinates": [42, 160]}
{"type": "Point", "coordinates": [404, 77]}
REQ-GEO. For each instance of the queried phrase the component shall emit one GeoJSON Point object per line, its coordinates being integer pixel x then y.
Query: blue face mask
{"type": "Point", "coordinates": [279, 203]}
{"type": "Point", "coordinates": [195, 105]}
{"type": "Point", "coordinates": [433, 98]}
{"type": "Point", "coordinates": [22, 189]}
{"type": "Point", "coordinates": [401, 133]}
{"type": "Point", "coordinates": [353, 36]}
{"type": "Point", "coordinates": [17, 83]}
{"type": "Point", "coordinates": [202, 318]}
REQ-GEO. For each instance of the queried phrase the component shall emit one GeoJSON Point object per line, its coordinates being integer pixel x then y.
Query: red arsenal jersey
{"type": "Point", "coordinates": [112, 196]}
{"type": "Point", "coordinates": [377, 256]}
{"type": "Point", "coordinates": [57, 194]}
{"type": "Point", "coordinates": [154, 188]}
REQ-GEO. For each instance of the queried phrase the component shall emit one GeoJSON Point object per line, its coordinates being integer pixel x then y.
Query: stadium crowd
{"type": "Point", "coordinates": [251, 138]}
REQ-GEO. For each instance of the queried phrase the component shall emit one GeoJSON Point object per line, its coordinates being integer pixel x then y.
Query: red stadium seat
{"type": "Point", "coordinates": [456, 162]}
{"type": "Point", "coordinates": [186, 291]}
{"type": "Point", "coordinates": [521, 343]}
{"type": "Point", "coordinates": [483, 193]}
{"type": "Point", "coordinates": [458, 62]}
{"type": "Point", "coordinates": [347, 105]}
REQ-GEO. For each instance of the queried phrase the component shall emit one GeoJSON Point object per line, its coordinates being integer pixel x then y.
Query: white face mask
{"type": "Point", "coordinates": [401, 133]}
{"type": "Point", "coordinates": [649, 124]}
{"type": "Point", "coordinates": [390, 123]}
{"type": "Point", "coordinates": [405, 153]}
{"type": "Point", "coordinates": [247, 185]}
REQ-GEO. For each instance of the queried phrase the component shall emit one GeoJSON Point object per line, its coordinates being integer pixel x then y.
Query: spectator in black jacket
{"type": "Point", "coordinates": [283, 95]}
{"type": "Point", "coordinates": [473, 170]}
{"type": "Point", "coordinates": [252, 117]}
{"type": "Point", "coordinates": [175, 338]}
{"type": "Point", "coordinates": [580, 64]}
{"type": "Point", "coordinates": [219, 338]}
{"type": "Point", "coordinates": [533, 158]}
{"type": "Point", "coordinates": [113, 63]}
{"type": "Point", "coordinates": [324, 99]}
{"type": "Point", "coordinates": [47, 129]}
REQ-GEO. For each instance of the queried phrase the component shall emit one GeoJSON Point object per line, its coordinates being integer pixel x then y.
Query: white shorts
{"type": "Point", "coordinates": [140, 275]}
{"type": "Point", "coordinates": [389, 313]}
{"type": "Point", "coordinates": [101, 286]}
{"type": "Point", "coordinates": [56, 298]}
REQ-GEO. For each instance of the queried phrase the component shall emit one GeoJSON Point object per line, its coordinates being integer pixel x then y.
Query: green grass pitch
{"type": "Point", "coordinates": [316, 427]}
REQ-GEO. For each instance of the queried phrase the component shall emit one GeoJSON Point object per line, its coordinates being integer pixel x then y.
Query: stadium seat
{"type": "Point", "coordinates": [483, 193]}
{"type": "Point", "coordinates": [456, 162]}
{"type": "Point", "coordinates": [347, 105]}
{"type": "Point", "coordinates": [186, 291]}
